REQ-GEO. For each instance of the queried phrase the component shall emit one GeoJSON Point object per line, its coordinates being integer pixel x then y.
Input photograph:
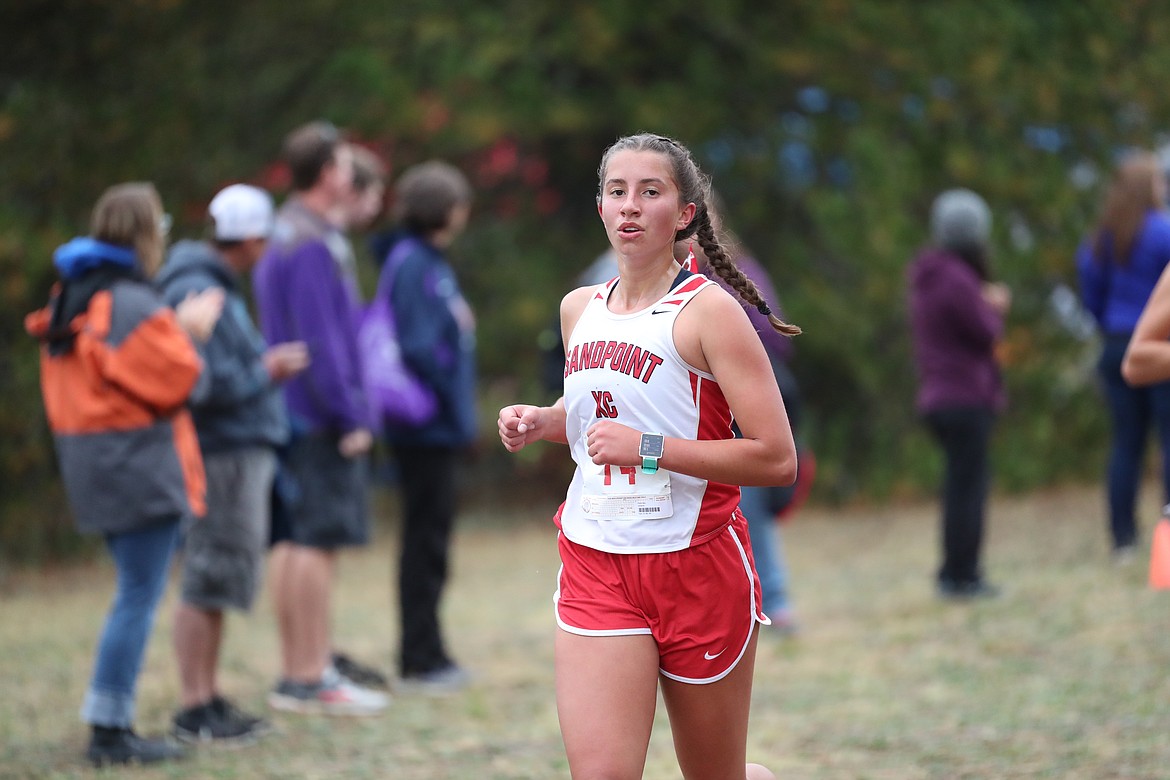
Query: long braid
{"type": "Point", "coordinates": [744, 287]}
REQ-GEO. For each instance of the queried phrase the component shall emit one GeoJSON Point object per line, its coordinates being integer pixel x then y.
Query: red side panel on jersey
{"type": "Point", "coordinates": [720, 500]}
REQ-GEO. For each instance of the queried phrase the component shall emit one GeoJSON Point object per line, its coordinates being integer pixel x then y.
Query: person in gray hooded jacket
{"type": "Point", "coordinates": [240, 423]}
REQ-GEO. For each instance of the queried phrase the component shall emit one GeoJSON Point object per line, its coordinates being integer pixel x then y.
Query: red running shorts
{"type": "Point", "coordinates": [700, 604]}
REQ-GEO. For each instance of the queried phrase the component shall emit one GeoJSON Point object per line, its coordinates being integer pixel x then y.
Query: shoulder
{"type": "Point", "coordinates": [713, 312]}
{"type": "Point", "coordinates": [131, 296]}
{"type": "Point", "coordinates": [175, 287]}
{"type": "Point", "coordinates": [576, 300]}
{"type": "Point", "coordinates": [713, 322]}
{"type": "Point", "coordinates": [573, 306]}
{"type": "Point", "coordinates": [131, 304]}
{"type": "Point", "coordinates": [713, 300]}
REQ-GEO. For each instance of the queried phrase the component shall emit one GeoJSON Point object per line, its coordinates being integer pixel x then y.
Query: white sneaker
{"type": "Point", "coordinates": [334, 695]}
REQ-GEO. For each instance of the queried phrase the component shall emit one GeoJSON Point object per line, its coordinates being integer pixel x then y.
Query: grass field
{"type": "Point", "coordinates": [1066, 676]}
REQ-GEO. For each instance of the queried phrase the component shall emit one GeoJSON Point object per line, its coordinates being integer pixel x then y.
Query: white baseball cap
{"type": "Point", "coordinates": [240, 212]}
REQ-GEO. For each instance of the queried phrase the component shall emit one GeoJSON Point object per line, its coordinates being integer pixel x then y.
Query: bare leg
{"type": "Point", "coordinates": [607, 689]}
{"type": "Point", "coordinates": [197, 636]}
{"type": "Point", "coordinates": [278, 589]}
{"type": "Point", "coordinates": [709, 723]}
{"type": "Point", "coordinates": [307, 587]}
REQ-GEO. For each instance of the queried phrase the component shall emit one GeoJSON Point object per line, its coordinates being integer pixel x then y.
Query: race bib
{"type": "Point", "coordinates": [625, 493]}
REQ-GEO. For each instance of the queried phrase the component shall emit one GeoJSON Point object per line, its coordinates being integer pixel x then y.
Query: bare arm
{"type": "Point", "coordinates": [523, 424]}
{"type": "Point", "coordinates": [1147, 360]}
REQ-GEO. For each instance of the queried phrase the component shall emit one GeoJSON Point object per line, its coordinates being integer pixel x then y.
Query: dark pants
{"type": "Point", "coordinates": [427, 476]}
{"type": "Point", "coordinates": [965, 436]}
{"type": "Point", "coordinates": [1132, 410]}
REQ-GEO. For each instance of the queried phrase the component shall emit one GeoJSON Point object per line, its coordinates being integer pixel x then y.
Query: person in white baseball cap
{"type": "Point", "coordinates": [241, 212]}
{"type": "Point", "coordinates": [240, 423]}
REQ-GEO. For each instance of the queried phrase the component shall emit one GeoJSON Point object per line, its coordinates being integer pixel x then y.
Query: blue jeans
{"type": "Point", "coordinates": [1133, 410]}
{"type": "Point", "coordinates": [766, 549]}
{"type": "Point", "coordinates": [142, 559]}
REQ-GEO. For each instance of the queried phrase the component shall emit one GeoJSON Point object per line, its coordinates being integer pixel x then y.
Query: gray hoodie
{"type": "Point", "coordinates": [243, 407]}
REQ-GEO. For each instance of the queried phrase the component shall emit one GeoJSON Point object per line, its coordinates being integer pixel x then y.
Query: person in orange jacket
{"type": "Point", "coordinates": [117, 368]}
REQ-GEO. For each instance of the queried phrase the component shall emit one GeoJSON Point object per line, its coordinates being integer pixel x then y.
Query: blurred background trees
{"type": "Point", "coordinates": [828, 126]}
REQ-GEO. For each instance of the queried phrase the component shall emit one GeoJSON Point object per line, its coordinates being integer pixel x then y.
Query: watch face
{"type": "Point", "coordinates": [651, 445]}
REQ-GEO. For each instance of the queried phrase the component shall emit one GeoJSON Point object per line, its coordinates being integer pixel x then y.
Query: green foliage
{"type": "Point", "coordinates": [828, 127]}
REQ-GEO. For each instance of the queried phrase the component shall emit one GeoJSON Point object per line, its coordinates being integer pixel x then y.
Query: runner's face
{"type": "Point", "coordinates": [640, 203]}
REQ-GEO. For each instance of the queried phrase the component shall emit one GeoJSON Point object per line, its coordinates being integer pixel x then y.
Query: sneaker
{"type": "Point", "coordinates": [334, 695]}
{"type": "Point", "coordinates": [219, 722]}
{"type": "Point", "coordinates": [1125, 555]}
{"type": "Point", "coordinates": [113, 746]}
{"type": "Point", "coordinates": [437, 682]}
{"type": "Point", "coordinates": [950, 590]}
{"type": "Point", "coordinates": [359, 673]}
{"type": "Point", "coordinates": [228, 710]}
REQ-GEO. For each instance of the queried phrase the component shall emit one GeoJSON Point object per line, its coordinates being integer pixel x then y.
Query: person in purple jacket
{"type": "Point", "coordinates": [1119, 264]}
{"type": "Point", "coordinates": [306, 290]}
{"type": "Point", "coordinates": [957, 319]}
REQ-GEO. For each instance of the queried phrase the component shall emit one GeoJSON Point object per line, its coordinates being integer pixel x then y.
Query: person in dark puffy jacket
{"type": "Point", "coordinates": [117, 369]}
{"type": "Point", "coordinates": [957, 319]}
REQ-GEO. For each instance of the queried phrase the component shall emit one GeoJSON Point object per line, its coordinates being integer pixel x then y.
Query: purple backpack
{"type": "Point", "coordinates": [397, 395]}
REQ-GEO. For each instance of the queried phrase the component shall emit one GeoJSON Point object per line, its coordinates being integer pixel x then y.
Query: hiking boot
{"type": "Point", "coordinates": [359, 673]}
{"type": "Point", "coordinates": [218, 722]}
{"type": "Point", "coordinates": [436, 682]}
{"type": "Point", "coordinates": [334, 695]}
{"type": "Point", "coordinates": [112, 746]}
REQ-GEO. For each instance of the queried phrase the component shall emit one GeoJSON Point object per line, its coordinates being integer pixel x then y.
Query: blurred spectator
{"type": "Point", "coordinates": [116, 371]}
{"type": "Point", "coordinates": [240, 422]}
{"type": "Point", "coordinates": [365, 200]}
{"type": "Point", "coordinates": [360, 208]}
{"type": "Point", "coordinates": [957, 319]}
{"type": "Point", "coordinates": [436, 330]}
{"type": "Point", "coordinates": [1119, 263]}
{"type": "Point", "coordinates": [306, 290]}
{"type": "Point", "coordinates": [759, 504]}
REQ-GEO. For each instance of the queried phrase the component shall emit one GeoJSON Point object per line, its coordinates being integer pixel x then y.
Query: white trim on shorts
{"type": "Point", "coordinates": [646, 629]}
{"type": "Point", "coordinates": [589, 631]}
{"type": "Point", "coordinates": [747, 567]}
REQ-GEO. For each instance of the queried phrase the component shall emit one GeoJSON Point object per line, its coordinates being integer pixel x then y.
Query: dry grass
{"type": "Point", "coordinates": [1066, 676]}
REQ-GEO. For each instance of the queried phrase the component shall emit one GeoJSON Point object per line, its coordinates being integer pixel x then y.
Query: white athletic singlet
{"type": "Point", "coordinates": [625, 367]}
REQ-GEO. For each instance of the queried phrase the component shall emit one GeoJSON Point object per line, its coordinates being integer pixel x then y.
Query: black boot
{"type": "Point", "coordinates": [122, 746]}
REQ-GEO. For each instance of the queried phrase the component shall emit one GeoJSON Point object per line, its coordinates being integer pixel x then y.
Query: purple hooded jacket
{"type": "Point", "coordinates": [306, 290]}
{"type": "Point", "coordinates": [954, 334]}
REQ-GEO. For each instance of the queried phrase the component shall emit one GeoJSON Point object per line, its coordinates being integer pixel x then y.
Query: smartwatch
{"type": "Point", "coordinates": [650, 450]}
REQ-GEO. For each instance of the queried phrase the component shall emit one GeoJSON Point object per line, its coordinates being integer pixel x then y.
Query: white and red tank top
{"type": "Point", "coordinates": [625, 367]}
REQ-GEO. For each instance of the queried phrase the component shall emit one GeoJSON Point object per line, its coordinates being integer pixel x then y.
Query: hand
{"type": "Point", "coordinates": [519, 426]}
{"type": "Point", "coordinates": [286, 360]}
{"type": "Point", "coordinates": [199, 312]}
{"type": "Point", "coordinates": [614, 444]}
{"type": "Point", "coordinates": [355, 443]}
{"type": "Point", "coordinates": [998, 296]}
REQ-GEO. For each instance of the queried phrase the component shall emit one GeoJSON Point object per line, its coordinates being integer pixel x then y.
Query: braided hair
{"type": "Point", "coordinates": [695, 187]}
